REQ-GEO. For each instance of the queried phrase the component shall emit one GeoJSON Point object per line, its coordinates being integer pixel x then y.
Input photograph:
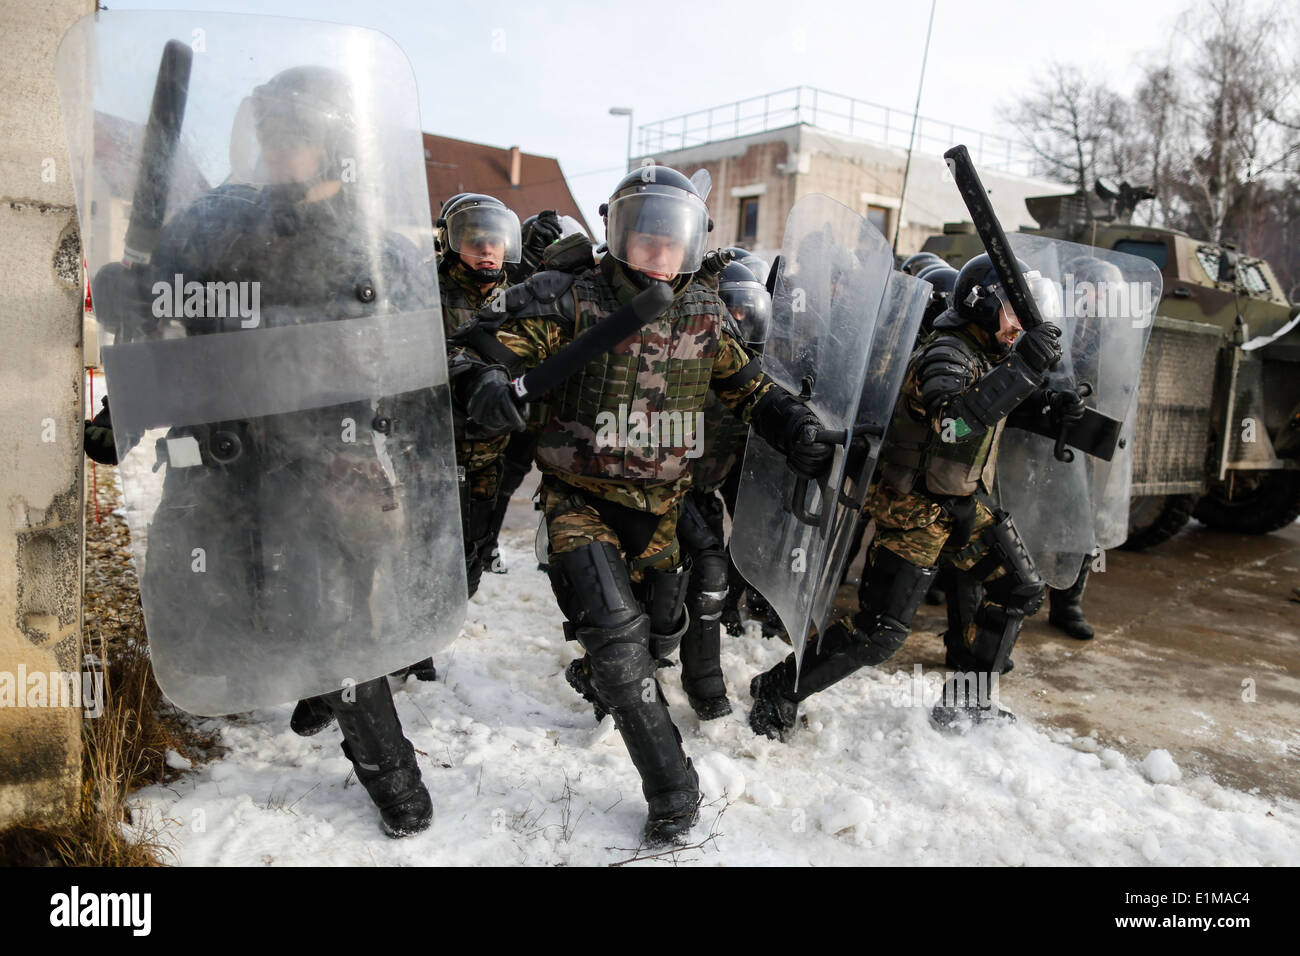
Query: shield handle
{"type": "Point", "coordinates": [1060, 451]}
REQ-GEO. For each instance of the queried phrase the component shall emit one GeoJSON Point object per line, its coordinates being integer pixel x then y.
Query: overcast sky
{"type": "Point", "coordinates": [543, 75]}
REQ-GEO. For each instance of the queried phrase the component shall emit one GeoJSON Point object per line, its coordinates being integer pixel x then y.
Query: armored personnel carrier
{"type": "Point", "coordinates": [1218, 417]}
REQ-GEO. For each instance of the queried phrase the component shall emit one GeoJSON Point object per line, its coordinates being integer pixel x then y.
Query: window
{"type": "Point", "coordinates": [878, 216]}
{"type": "Point", "coordinates": [1155, 251]}
{"type": "Point", "coordinates": [747, 235]}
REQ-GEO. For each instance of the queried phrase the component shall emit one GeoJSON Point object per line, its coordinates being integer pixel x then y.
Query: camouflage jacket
{"type": "Point", "coordinates": [628, 426]}
{"type": "Point", "coordinates": [923, 438]}
{"type": "Point", "coordinates": [462, 297]}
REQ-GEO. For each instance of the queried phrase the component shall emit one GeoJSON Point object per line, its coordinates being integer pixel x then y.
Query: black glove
{"type": "Point", "coordinates": [1066, 406]}
{"type": "Point", "coordinates": [545, 230]}
{"type": "Point", "coordinates": [808, 456]}
{"type": "Point", "coordinates": [716, 260]}
{"type": "Point", "coordinates": [97, 437]}
{"type": "Point", "coordinates": [490, 402]}
{"type": "Point", "coordinates": [1039, 347]}
{"type": "Point", "coordinates": [789, 426]}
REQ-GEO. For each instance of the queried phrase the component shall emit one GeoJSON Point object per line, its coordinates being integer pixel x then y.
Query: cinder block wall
{"type": "Point", "coordinates": [40, 415]}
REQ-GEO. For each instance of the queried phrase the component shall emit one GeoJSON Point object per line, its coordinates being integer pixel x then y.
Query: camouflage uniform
{"type": "Point", "coordinates": [932, 465]}
{"type": "Point", "coordinates": [667, 369]}
{"type": "Point", "coordinates": [613, 481]}
{"type": "Point", "coordinates": [478, 454]}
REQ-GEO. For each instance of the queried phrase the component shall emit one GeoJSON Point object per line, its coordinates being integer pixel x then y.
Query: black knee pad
{"type": "Point", "coordinates": [707, 592]}
{"type": "Point", "coordinates": [665, 604]}
{"type": "Point", "coordinates": [1013, 591]}
{"type": "Point", "coordinates": [592, 586]}
{"type": "Point", "coordinates": [619, 659]}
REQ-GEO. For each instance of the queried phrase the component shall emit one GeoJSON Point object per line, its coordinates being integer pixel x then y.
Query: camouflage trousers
{"type": "Point", "coordinates": [918, 530]}
{"type": "Point", "coordinates": [576, 518]}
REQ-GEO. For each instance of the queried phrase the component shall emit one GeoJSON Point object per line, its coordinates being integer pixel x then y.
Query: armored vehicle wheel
{"type": "Point", "coordinates": [1154, 519]}
{"type": "Point", "coordinates": [1254, 502]}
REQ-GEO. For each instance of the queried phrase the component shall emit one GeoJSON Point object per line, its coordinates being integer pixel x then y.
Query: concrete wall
{"type": "Point", "coordinates": [40, 417]}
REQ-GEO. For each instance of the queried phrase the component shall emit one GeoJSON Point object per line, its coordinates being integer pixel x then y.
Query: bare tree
{"type": "Point", "coordinates": [1068, 124]}
{"type": "Point", "coordinates": [1237, 82]}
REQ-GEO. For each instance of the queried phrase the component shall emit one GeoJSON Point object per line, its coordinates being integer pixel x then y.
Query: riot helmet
{"type": "Point", "coordinates": [930, 267]}
{"type": "Point", "coordinates": [482, 231]}
{"type": "Point", "coordinates": [755, 264]}
{"type": "Point", "coordinates": [914, 264]}
{"type": "Point", "coordinates": [297, 129]}
{"type": "Point", "coordinates": [657, 223]}
{"type": "Point", "coordinates": [747, 301]}
{"type": "Point", "coordinates": [978, 296]}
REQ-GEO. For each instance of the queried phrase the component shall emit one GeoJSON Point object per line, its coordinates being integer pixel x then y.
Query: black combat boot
{"type": "Point", "coordinates": [1067, 606]}
{"type": "Point", "coordinates": [775, 711]}
{"type": "Point", "coordinates": [967, 697]}
{"type": "Point", "coordinates": [702, 679]}
{"type": "Point", "coordinates": [424, 670]}
{"type": "Point", "coordinates": [310, 717]}
{"type": "Point", "coordinates": [622, 674]}
{"type": "Point", "coordinates": [968, 694]}
{"type": "Point", "coordinates": [383, 758]}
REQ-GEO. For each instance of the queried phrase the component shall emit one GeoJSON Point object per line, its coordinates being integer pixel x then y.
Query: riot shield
{"type": "Point", "coordinates": [1105, 304]}
{"type": "Point", "coordinates": [255, 217]}
{"type": "Point", "coordinates": [842, 328]}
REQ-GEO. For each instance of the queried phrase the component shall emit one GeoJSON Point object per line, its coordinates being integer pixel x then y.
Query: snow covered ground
{"type": "Point", "coordinates": [521, 774]}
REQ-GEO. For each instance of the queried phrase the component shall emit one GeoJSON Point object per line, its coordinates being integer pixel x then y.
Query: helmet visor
{"type": "Point", "coordinates": [488, 233]}
{"type": "Point", "coordinates": [660, 235]}
{"type": "Point", "coordinates": [751, 307]}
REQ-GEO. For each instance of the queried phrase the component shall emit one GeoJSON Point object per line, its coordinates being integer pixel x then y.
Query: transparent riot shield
{"type": "Point", "coordinates": [1105, 303]}
{"type": "Point", "coordinates": [255, 217]}
{"type": "Point", "coordinates": [826, 325]}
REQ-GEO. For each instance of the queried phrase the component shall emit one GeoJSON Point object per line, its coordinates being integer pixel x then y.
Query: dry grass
{"type": "Point", "coordinates": [125, 747]}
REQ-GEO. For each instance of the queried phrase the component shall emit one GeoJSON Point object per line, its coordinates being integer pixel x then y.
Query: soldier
{"type": "Point", "coordinates": [715, 480]}
{"type": "Point", "coordinates": [611, 499]}
{"type": "Point", "coordinates": [295, 522]}
{"type": "Point", "coordinates": [551, 242]}
{"type": "Point", "coordinates": [480, 237]}
{"type": "Point", "coordinates": [940, 450]}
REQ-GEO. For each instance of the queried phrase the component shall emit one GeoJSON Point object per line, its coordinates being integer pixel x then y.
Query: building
{"type": "Point", "coordinates": [766, 152]}
{"type": "Point", "coordinates": [527, 184]}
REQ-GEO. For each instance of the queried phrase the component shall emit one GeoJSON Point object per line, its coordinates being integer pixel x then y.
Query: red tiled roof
{"type": "Point", "coordinates": [457, 166]}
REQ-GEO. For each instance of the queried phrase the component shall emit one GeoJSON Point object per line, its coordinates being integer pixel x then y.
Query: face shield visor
{"type": "Point", "coordinates": [658, 233]}
{"type": "Point", "coordinates": [751, 307]}
{"type": "Point", "coordinates": [486, 233]}
{"type": "Point", "coordinates": [301, 133]}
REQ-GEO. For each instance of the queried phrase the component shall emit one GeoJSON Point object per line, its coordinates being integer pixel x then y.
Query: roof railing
{"type": "Point", "coordinates": [834, 113]}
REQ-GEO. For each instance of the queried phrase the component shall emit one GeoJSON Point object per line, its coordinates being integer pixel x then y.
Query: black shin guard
{"type": "Point", "coordinates": [890, 594]}
{"type": "Point", "coordinates": [622, 672]}
{"type": "Point", "coordinates": [383, 758]}
{"type": "Point", "coordinates": [702, 645]}
{"type": "Point", "coordinates": [665, 603]}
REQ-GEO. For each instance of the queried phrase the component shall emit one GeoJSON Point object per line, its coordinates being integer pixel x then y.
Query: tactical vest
{"type": "Point", "coordinates": [633, 413]}
{"type": "Point", "coordinates": [914, 447]}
